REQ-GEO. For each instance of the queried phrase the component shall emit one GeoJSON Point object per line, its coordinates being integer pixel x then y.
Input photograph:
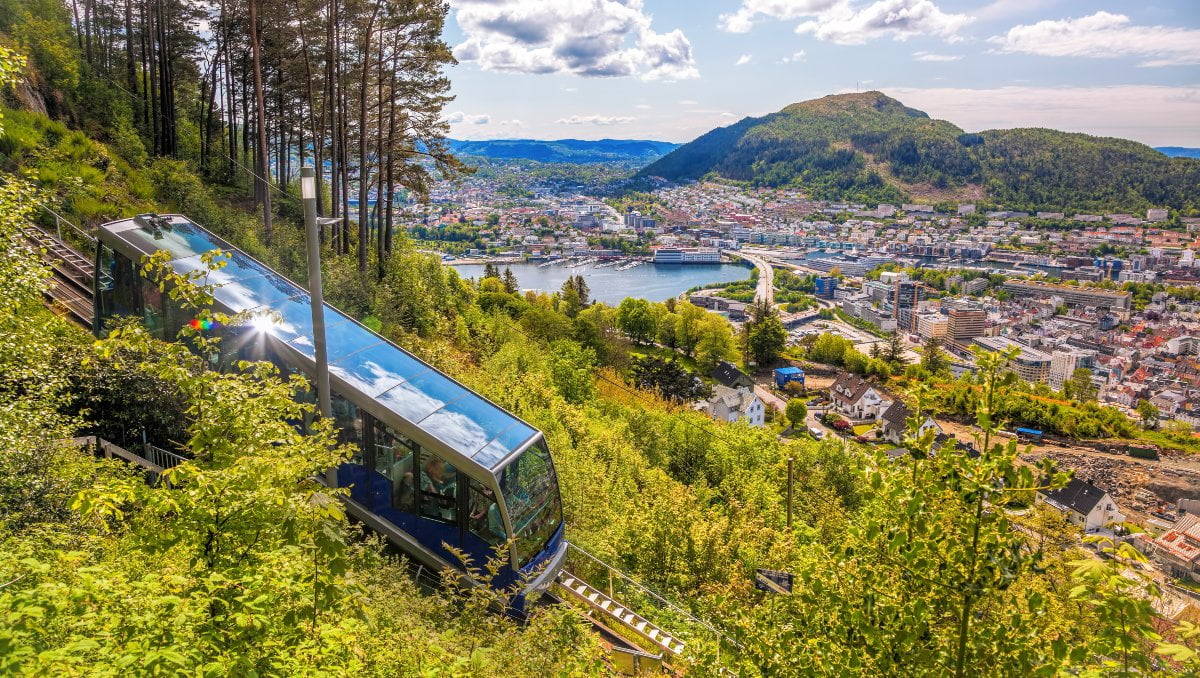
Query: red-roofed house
{"type": "Point", "coordinates": [1178, 549]}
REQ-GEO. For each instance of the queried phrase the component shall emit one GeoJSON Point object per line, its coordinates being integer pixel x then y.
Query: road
{"type": "Point", "coordinates": [766, 277]}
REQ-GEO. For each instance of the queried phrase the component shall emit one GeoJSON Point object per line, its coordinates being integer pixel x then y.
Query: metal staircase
{"type": "Point", "coordinates": [71, 285]}
{"type": "Point", "coordinates": [597, 601]}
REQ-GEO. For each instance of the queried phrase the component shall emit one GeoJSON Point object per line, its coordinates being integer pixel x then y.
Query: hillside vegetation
{"type": "Point", "coordinates": [870, 147]}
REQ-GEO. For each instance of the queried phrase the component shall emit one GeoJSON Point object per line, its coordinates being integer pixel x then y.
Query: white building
{"type": "Point", "coordinates": [894, 423]}
{"type": "Point", "coordinates": [1084, 505]}
{"type": "Point", "coordinates": [687, 255]}
{"type": "Point", "coordinates": [857, 398]}
{"type": "Point", "coordinates": [932, 325]}
{"type": "Point", "coordinates": [732, 404]}
{"type": "Point", "coordinates": [1064, 363]}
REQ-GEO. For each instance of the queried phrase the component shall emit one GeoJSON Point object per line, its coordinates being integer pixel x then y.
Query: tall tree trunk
{"type": "Point", "coordinates": [391, 154]}
{"type": "Point", "coordinates": [152, 58]}
{"type": "Point", "coordinates": [318, 134]}
{"type": "Point", "coordinates": [260, 115]}
{"type": "Point", "coordinates": [78, 24]}
{"type": "Point", "coordinates": [364, 237]}
{"type": "Point", "coordinates": [148, 126]}
{"type": "Point", "coordinates": [87, 30]}
{"type": "Point", "coordinates": [130, 68]}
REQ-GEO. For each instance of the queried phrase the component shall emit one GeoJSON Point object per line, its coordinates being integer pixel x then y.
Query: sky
{"type": "Point", "coordinates": [673, 69]}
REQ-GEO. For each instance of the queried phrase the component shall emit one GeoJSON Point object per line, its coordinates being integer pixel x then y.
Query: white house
{"type": "Point", "coordinates": [894, 422]}
{"type": "Point", "coordinates": [1084, 505]}
{"type": "Point", "coordinates": [857, 398]}
{"type": "Point", "coordinates": [732, 404]}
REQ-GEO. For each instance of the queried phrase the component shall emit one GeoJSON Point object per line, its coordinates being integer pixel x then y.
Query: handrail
{"type": "Point", "coordinates": [59, 219]}
{"type": "Point", "coordinates": [656, 596]}
{"type": "Point", "coordinates": [163, 458]}
{"type": "Point", "coordinates": [154, 459]}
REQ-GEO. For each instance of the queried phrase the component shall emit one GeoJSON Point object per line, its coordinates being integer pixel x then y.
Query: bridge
{"type": "Point", "coordinates": [766, 276]}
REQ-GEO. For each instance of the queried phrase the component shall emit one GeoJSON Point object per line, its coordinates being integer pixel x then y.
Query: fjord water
{"type": "Point", "coordinates": [655, 282]}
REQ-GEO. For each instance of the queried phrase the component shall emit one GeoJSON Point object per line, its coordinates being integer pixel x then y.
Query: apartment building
{"type": "Point", "coordinates": [1030, 364]}
{"type": "Point", "coordinates": [1074, 296]}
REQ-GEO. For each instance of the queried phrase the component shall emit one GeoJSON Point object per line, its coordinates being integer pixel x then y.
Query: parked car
{"type": "Point", "coordinates": [816, 432]}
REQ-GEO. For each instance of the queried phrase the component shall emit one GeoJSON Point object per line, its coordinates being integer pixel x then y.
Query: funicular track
{"type": "Point", "coordinates": [70, 288]}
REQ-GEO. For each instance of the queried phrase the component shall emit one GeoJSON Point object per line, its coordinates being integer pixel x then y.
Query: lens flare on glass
{"type": "Point", "coordinates": [201, 325]}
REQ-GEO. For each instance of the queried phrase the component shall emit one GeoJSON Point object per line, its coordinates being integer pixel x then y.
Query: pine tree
{"type": "Point", "coordinates": [893, 350]}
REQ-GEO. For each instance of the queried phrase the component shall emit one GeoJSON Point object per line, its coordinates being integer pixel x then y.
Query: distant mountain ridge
{"type": "Point", "coordinates": [1178, 151]}
{"type": "Point", "coordinates": [632, 151]}
{"type": "Point", "coordinates": [870, 147]}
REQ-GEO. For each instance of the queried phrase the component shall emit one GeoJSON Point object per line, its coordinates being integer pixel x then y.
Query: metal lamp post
{"type": "Point", "coordinates": [308, 191]}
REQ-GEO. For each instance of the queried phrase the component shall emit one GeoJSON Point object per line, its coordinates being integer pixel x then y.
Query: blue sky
{"type": "Point", "coordinates": [671, 70]}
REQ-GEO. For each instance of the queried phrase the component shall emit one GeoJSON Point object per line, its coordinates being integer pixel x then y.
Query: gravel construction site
{"type": "Point", "coordinates": [1140, 486]}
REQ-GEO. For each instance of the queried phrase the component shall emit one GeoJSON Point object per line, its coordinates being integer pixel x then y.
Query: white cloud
{"type": "Point", "coordinates": [644, 107]}
{"type": "Point", "coordinates": [598, 38]}
{"type": "Point", "coordinates": [742, 20]}
{"type": "Point", "coordinates": [1000, 9]}
{"type": "Point", "coordinates": [512, 123]}
{"type": "Point", "coordinates": [688, 102]}
{"type": "Point", "coordinates": [1104, 35]}
{"type": "Point", "coordinates": [847, 22]}
{"type": "Point", "coordinates": [1117, 110]}
{"type": "Point", "coordinates": [930, 56]}
{"type": "Point", "coordinates": [595, 120]}
{"type": "Point", "coordinates": [744, 59]}
{"type": "Point", "coordinates": [900, 19]}
{"type": "Point", "coordinates": [458, 117]}
{"type": "Point", "coordinates": [795, 57]}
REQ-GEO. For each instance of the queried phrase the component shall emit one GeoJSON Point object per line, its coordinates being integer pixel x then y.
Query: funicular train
{"type": "Point", "coordinates": [437, 463]}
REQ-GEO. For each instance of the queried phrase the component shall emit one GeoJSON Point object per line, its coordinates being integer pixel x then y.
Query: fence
{"type": "Point", "coordinates": [645, 601]}
{"type": "Point", "coordinates": [154, 459]}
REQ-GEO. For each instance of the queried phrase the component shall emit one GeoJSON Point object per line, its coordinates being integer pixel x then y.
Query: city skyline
{"type": "Point", "coordinates": [672, 71]}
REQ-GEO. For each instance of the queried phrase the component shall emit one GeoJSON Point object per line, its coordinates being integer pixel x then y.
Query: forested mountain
{"type": "Point", "coordinates": [626, 151]}
{"type": "Point", "coordinates": [868, 146]}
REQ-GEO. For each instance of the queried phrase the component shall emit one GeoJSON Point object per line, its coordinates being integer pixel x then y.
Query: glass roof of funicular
{"type": "Point", "coordinates": [376, 368]}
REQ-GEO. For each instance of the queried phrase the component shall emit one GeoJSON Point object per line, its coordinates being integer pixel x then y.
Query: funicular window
{"type": "Point", "coordinates": [116, 285]}
{"type": "Point", "coordinates": [348, 424]}
{"type": "Point", "coordinates": [485, 521]}
{"type": "Point", "coordinates": [395, 459]}
{"type": "Point", "coordinates": [530, 489]}
{"type": "Point", "coordinates": [152, 310]}
{"type": "Point", "coordinates": [439, 488]}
